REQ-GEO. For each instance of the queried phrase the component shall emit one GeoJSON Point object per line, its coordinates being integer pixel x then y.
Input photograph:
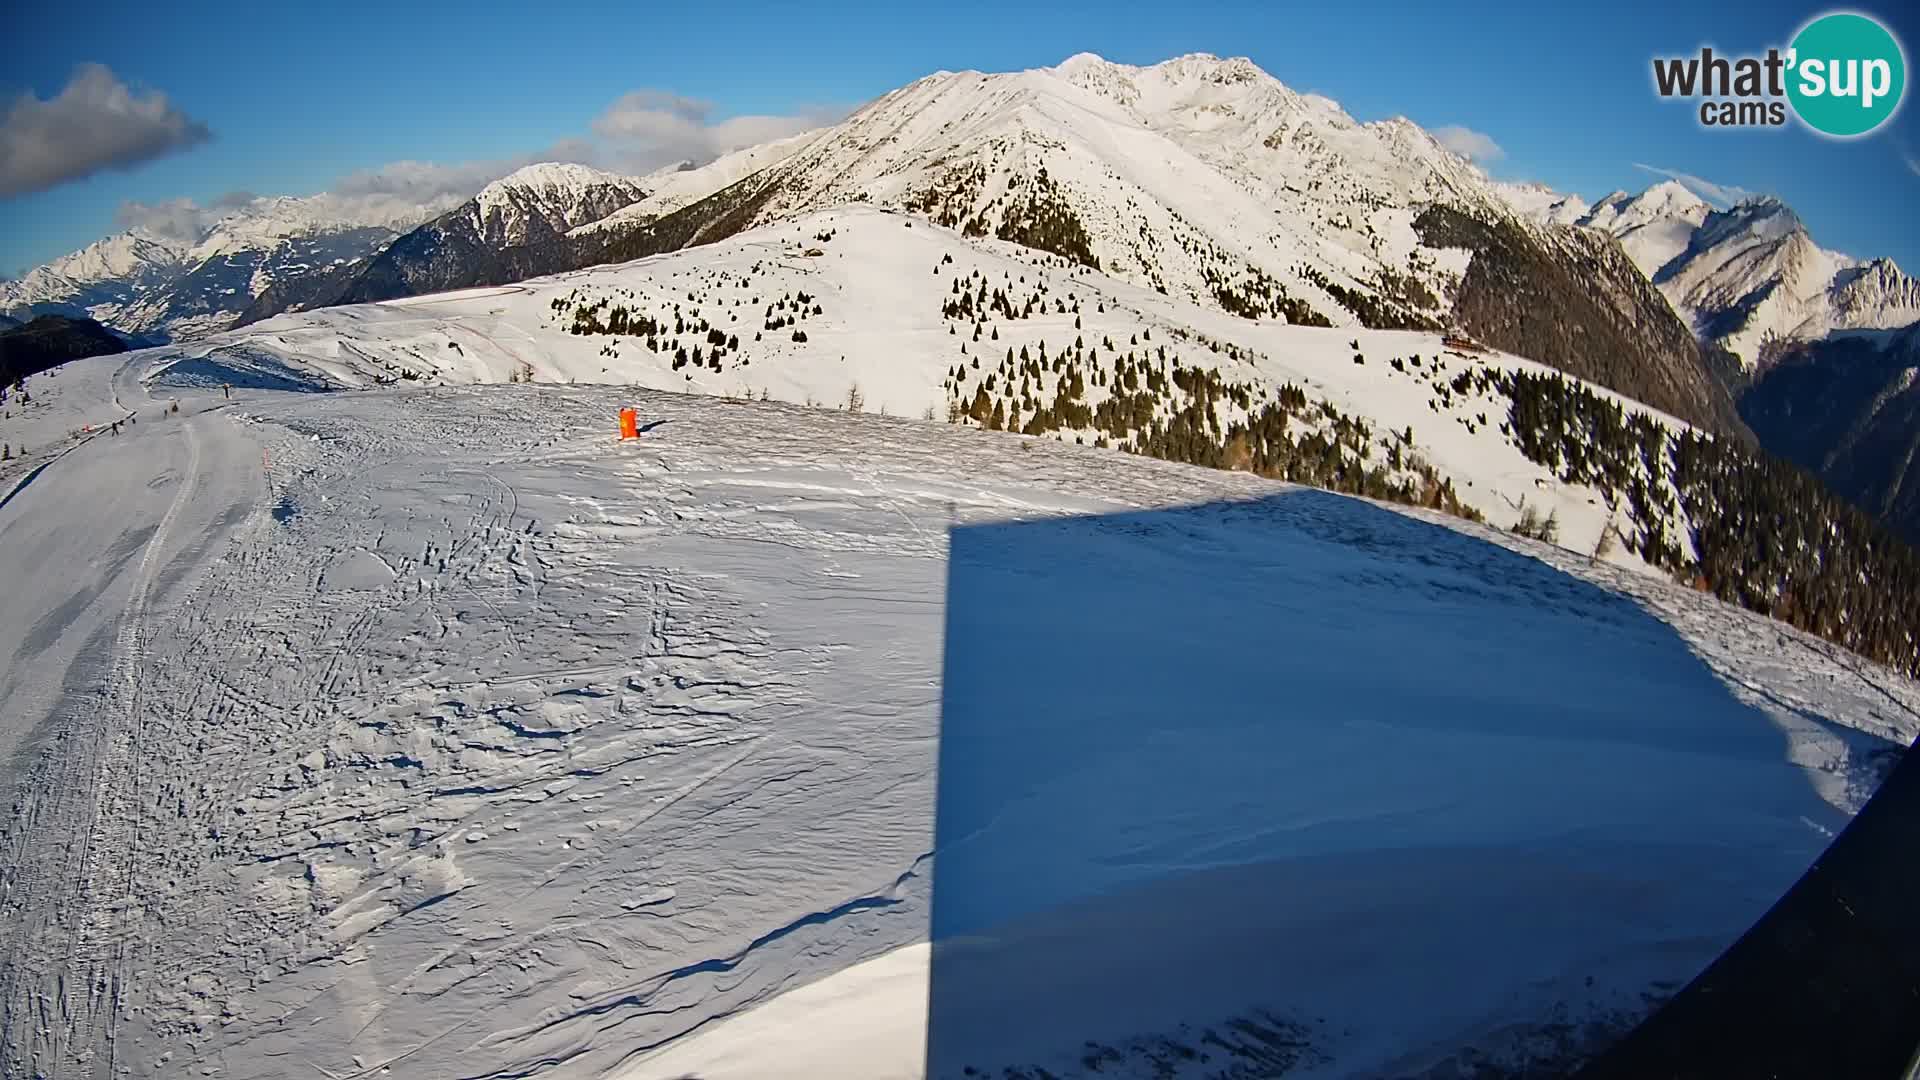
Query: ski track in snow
{"type": "Point", "coordinates": [466, 741]}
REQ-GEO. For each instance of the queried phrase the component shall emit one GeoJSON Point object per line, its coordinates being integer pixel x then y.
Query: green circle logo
{"type": "Point", "coordinates": [1847, 74]}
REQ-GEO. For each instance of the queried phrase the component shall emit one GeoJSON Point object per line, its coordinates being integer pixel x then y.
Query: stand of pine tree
{"type": "Point", "coordinates": [1766, 535]}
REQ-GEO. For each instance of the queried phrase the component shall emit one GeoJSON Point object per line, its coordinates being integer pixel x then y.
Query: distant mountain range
{"type": "Point", "coordinates": [1200, 175]}
{"type": "Point", "coordinates": [1202, 178]}
{"type": "Point", "coordinates": [142, 284]}
{"type": "Point", "coordinates": [1749, 278]}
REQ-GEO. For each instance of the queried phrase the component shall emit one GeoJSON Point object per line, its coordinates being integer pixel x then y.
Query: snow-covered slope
{"type": "Point", "coordinates": [432, 732]}
{"type": "Point", "coordinates": [674, 188]}
{"type": "Point", "coordinates": [863, 299]}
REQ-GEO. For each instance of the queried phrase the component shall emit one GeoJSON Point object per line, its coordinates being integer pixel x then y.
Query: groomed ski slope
{"type": "Point", "coordinates": [431, 732]}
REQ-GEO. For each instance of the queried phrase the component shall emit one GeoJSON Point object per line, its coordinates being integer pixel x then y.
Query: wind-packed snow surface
{"type": "Point", "coordinates": [433, 732]}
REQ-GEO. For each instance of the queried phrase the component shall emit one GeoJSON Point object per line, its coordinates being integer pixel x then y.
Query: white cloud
{"type": "Point", "coordinates": [403, 192]}
{"type": "Point", "coordinates": [423, 182]}
{"type": "Point", "coordinates": [95, 123]}
{"type": "Point", "coordinates": [182, 220]}
{"type": "Point", "coordinates": [1720, 195]}
{"type": "Point", "coordinates": [398, 195]}
{"type": "Point", "coordinates": [646, 129]}
{"type": "Point", "coordinates": [640, 132]}
{"type": "Point", "coordinates": [1913, 163]}
{"type": "Point", "coordinates": [1476, 146]}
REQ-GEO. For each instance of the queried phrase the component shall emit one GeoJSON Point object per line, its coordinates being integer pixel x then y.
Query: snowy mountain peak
{"type": "Point", "coordinates": [1189, 67]}
{"type": "Point", "coordinates": [1206, 67]}
{"type": "Point", "coordinates": [1612, 200]}
{"type": "Point", "coordinates": [1752, 275]}
{"type": "Point", "coordinates": [1540, 203]}
{"type": "Point", "coordinates": [556, 195]}
{"type": "Point", "coordinates": [1654, 226]}
{"type": "Point", "coordinates": [99, 279]}
{"type": "Point", "coordinates": [1876, 294]}
{"type": "Point", "coordinates": [119, 255]}
{"type": "Point", "coordinates": [1761, 215]}
{"type": "Point", "coordinates": [1195, 85]}
{"type": "Point", "coordinates": [1670, 197]}
{"type": "Point", "coordinates": [1084, 62]}
{"type": "Point", "coordinates": [1666, 201]}
{"type": "Point", "coordinates": [1745, 276]}
{"type": "Point", "coordinates": [552, 176]}
{"type": "Point", "coordinates": [1760, 219]}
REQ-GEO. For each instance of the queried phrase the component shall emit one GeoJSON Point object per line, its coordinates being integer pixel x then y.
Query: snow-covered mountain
{"type": "Point", "coordinates": [1653, 226]}
{"type": "Point", "coordinates": [534, 205]}
{"type": "Point", "coordinates": [1804, 335]}
{"type": "Point", "coordinates": [542, 200]}
{"type": "Point", "coordinates": [240, 259]}
{"type": "Point", "coordinates": [1542, 203]}
{"type": "Point", "coordinates": [289, 250]}
{"type": "Point", "coordinates": [1752, 275]}
{"type": "Point", "coordinates": [142, 284]}
{"type": "Point", "coordinates": [100, 281]}
{"type": "Point", "coordinates": [678, 185]}
{"type": "Point", "coordinates": [1749, 278]}
{"type": "Point", "coordinates": [1201, 178]}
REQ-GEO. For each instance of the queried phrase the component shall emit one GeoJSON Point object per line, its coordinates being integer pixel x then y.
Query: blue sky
{"type": "Point", "coordinates": [295, 97]}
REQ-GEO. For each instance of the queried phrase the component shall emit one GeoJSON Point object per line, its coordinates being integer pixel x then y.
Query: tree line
{"type": "Point", "coordinates": [1764, 534]}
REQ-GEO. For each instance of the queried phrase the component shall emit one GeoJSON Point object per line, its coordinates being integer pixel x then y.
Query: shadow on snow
{"type": "Point", "coordinates": [1303, 780]}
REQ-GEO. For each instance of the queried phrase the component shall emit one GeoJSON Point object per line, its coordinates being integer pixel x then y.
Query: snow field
{"type": "Point", "coordinates": [473, 742]}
